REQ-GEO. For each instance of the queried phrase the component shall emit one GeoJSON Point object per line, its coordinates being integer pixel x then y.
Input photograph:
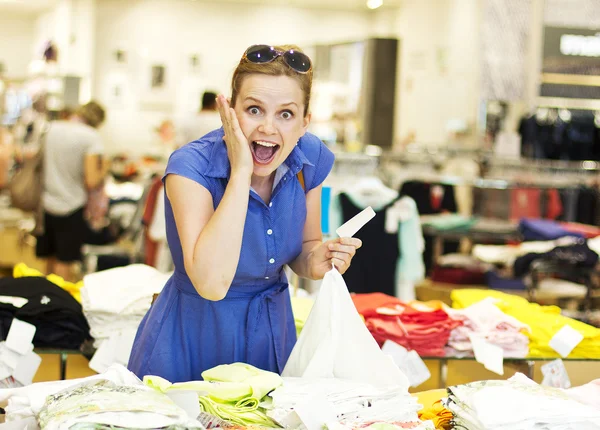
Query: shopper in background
{"type": "Point", "coordinates": [73, 165]}
{"type": "Point", "coordinates": [242, 202]}
{"type": "Point", "coordinates": [202, 122]}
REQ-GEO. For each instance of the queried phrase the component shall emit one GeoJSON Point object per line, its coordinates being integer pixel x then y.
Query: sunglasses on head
{"type": "Point", "coordinates": [260, 54]}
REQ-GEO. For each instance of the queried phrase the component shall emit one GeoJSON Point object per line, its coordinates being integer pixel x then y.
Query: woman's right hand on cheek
{"type": "Point", "coordinates": [238, 148]}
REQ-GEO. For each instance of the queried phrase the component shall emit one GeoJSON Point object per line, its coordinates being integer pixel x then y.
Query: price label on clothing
{"type": "Point", "coordinates": [313, 414]}
{"type": "Point", "coordinates": [105, 354]}
{"type": "Point", "coordinates": [491, 356]}
{"type": "Point", "coordinates": [20, 336]}
{"type": "Point", "coordinates": [565, 340]}
{"type": "Point", "coordinates": [409, 362]}
{"type": "Point", "coordinates": [9, 357]}
{"type": "Point", "coordinates": [350, 227]}
{"type": "Point", "coordinates": [124, 344]}
{"type": "Point", "coordinates": [555, 374]}
{"type": "Point", "coordinates": [416, 369]}
{"type": "Point", "coordinates": [186, 400]}
{"type": "Point", "coordinates": [27, 368]}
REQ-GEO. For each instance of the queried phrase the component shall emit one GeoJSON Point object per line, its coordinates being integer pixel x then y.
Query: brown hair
{"type": "Point", "coordinates": [92, 114]}
{"type": "Point", "coordinates": [277, 67]}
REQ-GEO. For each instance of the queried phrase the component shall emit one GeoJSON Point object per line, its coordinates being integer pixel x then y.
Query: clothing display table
{"type": "Point", "coordinates": [529, 365]}
{"type": "Point", "coordinates": [63, 354]}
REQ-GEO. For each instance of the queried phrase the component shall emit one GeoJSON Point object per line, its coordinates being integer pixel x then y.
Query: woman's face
{"type": "Point", "coordinates": [270, 110]}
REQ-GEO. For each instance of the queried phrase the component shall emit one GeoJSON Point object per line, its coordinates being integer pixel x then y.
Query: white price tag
{"type": "Point", "coordinates": [9, 357]}
{"type": "Point", "coordinates": [186, 400]}
{"type": "Point", "coordinates": [20, 336]}
{"type": "Point", "coordinates": [5, 371]}
{"type": "Point", "coordinates": [491, 356]}
{"type": "Point", "coordinates": [397, 352]}
{"type": "Point", "coordinates": [565, 340]}
{"type": "Point", "coordinates": [555, 374]}
{"type": "Point", "coordinates": [105, 355]}
{"type": "Point", "coordinates": [415, 369]}
{"type": "Point", "coordinates": [27, 367]}
{"type": "Point", "coordinates": [411, 364]}
{"type": "Point", "coordinates": [350, 227]}
{"type": "Point", "coordinates": [124, 346]}
{"type": "Point", "coordinates": [313, 414]}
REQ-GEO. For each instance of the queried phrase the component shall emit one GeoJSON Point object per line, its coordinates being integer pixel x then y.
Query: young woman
{"type": "Point", "coordinates": [242, 202]}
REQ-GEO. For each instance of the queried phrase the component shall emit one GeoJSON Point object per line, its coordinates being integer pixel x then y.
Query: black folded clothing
{"type": "Point", "coordinates": [57, 316]}
{"type": "Point", "coordinates": [579, 255]}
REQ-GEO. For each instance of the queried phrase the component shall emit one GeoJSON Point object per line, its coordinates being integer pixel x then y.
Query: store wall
{"type": "Point", "coordinates": [167, 33]}
{"type": "Point", "coordinates": [54, 25]}
{"type": "Point", "coordinates": [16, 41]}
{"type": "Point", "coordinates": [70, 25]}
{"type": "Point", "coordinates": [439, 69]}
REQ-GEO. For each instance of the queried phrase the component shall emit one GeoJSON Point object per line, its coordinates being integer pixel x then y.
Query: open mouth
{"type": "Point", "coordinates": [264, 152]}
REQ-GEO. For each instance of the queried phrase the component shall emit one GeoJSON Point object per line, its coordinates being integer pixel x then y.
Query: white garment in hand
{"type": "Point", "coordinates": [335, 342]}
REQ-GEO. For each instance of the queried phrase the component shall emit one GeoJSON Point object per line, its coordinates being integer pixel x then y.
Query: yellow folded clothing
{"type": "Point", "coordinates": [545, 322]}
{"type": "Point", "coordinates": [433, 409]}
{"type": "Point", "coordinates": [301, 307]}
{"type": "Point", "coordinates": [231, 392]}
{"type": "Point", "coordinates": [22, 271]}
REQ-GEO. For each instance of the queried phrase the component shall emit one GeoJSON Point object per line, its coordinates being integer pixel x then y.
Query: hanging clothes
{"type": "Point", "coordinates": [430, 200]}
{"type": "Point", "coordinates": [400, 219]}
{"type": "Point", "coordinates": [374, 267]}
{"type": "Point", "coordinates": [525, 203]}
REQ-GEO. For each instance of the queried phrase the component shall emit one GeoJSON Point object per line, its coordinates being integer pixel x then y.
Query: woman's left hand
{"type": "Point", "coordinates": [337, 251]}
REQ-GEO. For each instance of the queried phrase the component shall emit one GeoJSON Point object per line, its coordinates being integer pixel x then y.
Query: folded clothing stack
{"type": "Point", "coordinates": [232, 392]}
{"type": "Point", "coordinates": [486, 321]}
{"type": "Point", "coordinates": [518, 403]}
{"type": "Point", "coordinates": [353, 404]}
{"type": "Point", "coordinates": [115, 301]}
{"type": "Point", "coordinates": [115, 399]}
{"type": "Point", "coordinates": [434, 409]}
{"type": "Point", "coordinates": [460, 269]}
{"type": "Point", "coordinates": [544, 321]}
{"type": "Point", "coordinates": [415, 326]}
{"type": "Point", "coordinates": [57, 316]}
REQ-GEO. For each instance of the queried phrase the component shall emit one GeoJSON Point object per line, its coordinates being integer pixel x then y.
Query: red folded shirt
{"type": "Point", "coordinates": [589, 231]}
{"type": "Point", "coordinates": [367, 304]}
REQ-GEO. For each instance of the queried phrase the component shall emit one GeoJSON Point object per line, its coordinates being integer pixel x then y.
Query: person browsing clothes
{"type": "Point", "coordinates": [242, 202]}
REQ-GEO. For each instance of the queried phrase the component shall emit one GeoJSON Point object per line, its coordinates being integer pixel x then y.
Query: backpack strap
{"type": "Point", "coordinates": [300, 177]}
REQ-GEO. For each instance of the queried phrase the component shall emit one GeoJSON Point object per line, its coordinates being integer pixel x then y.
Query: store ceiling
{"type": "Point", "coordinates": [36, 6]}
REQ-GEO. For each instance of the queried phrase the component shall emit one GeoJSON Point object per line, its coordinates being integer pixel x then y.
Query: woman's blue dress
{"type": "Point", "coordinates": [183, 334]}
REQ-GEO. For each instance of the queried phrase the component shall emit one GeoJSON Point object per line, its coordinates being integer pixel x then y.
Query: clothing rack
{"type": "Point", "coordinates": [498, 173]}
{"type": "Point", "coordinates": [567, 103]}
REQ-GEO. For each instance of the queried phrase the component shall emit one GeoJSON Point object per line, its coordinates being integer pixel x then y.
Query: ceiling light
{"type": "Point", "coordinates": [374, 4]}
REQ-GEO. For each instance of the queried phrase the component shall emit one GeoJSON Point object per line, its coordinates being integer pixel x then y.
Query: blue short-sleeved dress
{"type": "Point", "coordinates": [183, 334]}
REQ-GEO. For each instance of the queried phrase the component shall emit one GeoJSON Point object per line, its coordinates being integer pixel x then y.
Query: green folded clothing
{"type": "Point", "coordinates": [449, 222]}
{"type": "Point", "coordinates": [231, 392]}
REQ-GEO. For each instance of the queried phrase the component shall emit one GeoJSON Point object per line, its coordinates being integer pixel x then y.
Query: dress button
{"type": "Point", "coordinates": [271, 204]}
{"type": "Point", "coordinates": [266, 277]}
{"type": "Point", "coordinates": [269, 232]}
{"type": "Point", "coordinates": [272, 260]}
